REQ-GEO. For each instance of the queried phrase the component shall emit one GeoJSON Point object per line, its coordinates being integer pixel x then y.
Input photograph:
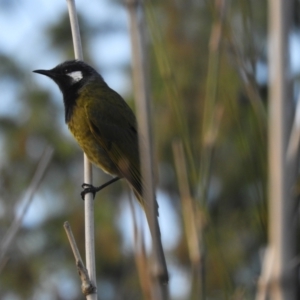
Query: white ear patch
{"type": "Point", "coordinates": [76, 76]}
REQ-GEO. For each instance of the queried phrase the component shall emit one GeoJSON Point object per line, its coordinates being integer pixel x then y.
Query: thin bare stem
{"type": "Point", "coordinates": [140, 257]}
{"type": "Point", "coordinates": [264, 279]}
{"type": "Point", "coordinates": [26, 200]}
{"type": "Point", "coordinates": [193, 232]}
{"type": "Point", "coordinates": [141, 91]}
{"type": "Point", "coordinates": [87, 286]}
{"type": "Point", "coordinates": [75, 29]}
{"type": "Point", "coordinates": [282, 231]}
{"type": "Point", "coordinates": [210, 117]}
{"type": "Point", "coordinates": [88, 203]}
{"type": "Point", "coordinates": [294, 140]}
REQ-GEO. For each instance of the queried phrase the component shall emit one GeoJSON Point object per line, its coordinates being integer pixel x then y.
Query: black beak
{"type": "Point", "coordinates": [48, 73]}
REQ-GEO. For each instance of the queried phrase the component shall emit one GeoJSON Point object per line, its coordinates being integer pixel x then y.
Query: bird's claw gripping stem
{"type": "Point", "coordinates": [89, 188]}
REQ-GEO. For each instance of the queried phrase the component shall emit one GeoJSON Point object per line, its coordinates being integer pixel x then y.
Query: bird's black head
{"type": "Point", "coordinates": [71, 76]}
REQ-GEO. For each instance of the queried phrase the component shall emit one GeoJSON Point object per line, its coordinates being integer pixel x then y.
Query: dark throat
{"type": "Point", "coordinates": [70, 99]}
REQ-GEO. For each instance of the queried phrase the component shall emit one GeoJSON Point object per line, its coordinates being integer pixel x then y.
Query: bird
{"type": "Point", "coordinates": [103, 124]}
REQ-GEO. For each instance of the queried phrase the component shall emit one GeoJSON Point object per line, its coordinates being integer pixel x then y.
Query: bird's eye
{"type": "Point", "coordinates": [66, 70]}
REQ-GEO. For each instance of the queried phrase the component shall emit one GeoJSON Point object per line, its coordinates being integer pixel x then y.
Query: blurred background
{"type": "Point", "coordinates": [208, 78]}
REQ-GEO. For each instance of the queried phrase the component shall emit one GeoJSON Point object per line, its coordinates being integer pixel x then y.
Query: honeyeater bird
{"type": "Point", "coordinates": [102, 123]}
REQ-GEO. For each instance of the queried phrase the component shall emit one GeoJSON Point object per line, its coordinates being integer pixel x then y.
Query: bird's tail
{"type": "Point", "coordinates": [161, 268]}
{"type": "Point", "coordinates": [143, 203]}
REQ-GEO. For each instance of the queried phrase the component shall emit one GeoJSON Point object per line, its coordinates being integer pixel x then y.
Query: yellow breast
{"type": "Point", "coordinates": [79, 127]}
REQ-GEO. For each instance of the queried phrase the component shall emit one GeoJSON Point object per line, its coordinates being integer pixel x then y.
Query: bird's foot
{"type": "Point", "coordinates": [89, 188]}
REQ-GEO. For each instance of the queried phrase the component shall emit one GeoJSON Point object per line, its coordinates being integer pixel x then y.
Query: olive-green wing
{"type": "Point", "coordinates": [113, 124]}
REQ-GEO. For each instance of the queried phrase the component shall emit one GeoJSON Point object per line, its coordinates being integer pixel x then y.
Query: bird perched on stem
{"type": "Point", "coordinates": [103, 125]}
